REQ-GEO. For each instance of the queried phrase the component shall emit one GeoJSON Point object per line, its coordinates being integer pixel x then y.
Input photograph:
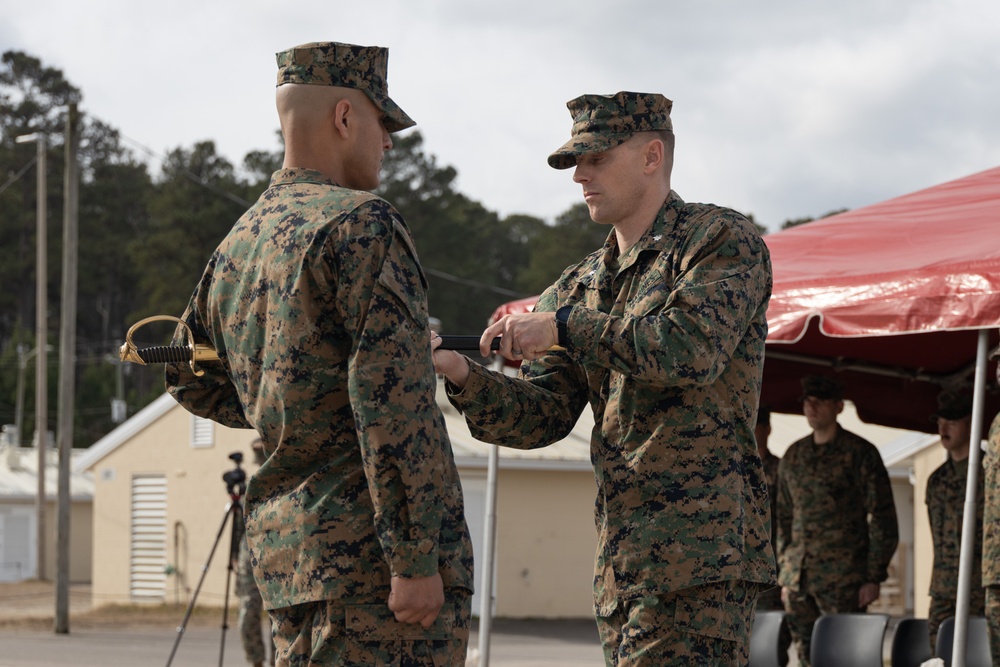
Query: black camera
{"type": "Point", "coordinates": [235, 479]}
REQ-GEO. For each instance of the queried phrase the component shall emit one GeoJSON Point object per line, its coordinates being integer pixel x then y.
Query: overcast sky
{"type": "Point", "coordinates": [782, 108]}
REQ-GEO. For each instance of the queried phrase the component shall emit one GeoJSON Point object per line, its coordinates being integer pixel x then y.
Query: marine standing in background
{"type": "Point", "coordinates": [837, 527]}
{"type": "Point", "coordinates": [316, 304]}
{"type": "Point", "coordinates": [770, 598]}
{"type": "Point", "coordinates": [255, 645]}
{"type": "Point", "coordinates": [991, 531]}
{"type": "Point", "coordinates": [945, 498]}
{"type": "Point", "coordinates": [663, 334]}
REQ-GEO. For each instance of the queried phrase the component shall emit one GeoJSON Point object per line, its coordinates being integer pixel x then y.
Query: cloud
{"type": "Point", "coordinates": [783, 109]}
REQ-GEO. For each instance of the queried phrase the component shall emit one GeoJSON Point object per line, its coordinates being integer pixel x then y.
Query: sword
{"type": "Point", "coordinates": [166, 354]}
{"type": "Point", "coordinates": [198, 352]}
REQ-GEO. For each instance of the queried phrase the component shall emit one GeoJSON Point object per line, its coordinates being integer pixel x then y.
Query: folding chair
{"type": "Point", "coordinates": [977, 643]}
{"type": "Point", "coordinates": [764, 638]}
{"type": "Point", "coordinates": [848, 640]}
{"type": "Point", "coordinates": [911, 643]}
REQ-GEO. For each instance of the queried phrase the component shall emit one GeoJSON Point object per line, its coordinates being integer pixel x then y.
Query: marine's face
{"type": "Point", "coordinates": [821, 413]}
{"type": "Point", "coordinates": [363, 165]}
{"type": "Point", "coordinates": [955, 433]}
{"type": "Point", "coordinates": [611, 182]}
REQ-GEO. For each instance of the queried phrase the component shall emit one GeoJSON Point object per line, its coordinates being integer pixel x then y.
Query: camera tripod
{"type": "Point", "coordinates": [236, 486]}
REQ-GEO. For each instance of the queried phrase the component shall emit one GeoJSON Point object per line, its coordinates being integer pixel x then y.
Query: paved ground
{"type": "Point", "coordinates": [107, 641]}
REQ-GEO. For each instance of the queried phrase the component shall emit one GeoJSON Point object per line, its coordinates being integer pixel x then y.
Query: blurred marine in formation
{"type": "Point", "coordinates": [945, 498]}
{"type": "Point", "coordinates": [837, 527]}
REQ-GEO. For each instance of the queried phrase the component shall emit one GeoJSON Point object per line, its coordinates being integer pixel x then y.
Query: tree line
{"type": "Point", "coordinates": [146, 235]}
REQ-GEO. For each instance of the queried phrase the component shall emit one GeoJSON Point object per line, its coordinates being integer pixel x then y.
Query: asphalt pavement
{"type": "Point", "coordinates": [513, 644]}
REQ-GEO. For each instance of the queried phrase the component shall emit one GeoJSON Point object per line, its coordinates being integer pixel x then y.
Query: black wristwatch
{"type": "Point", "coordinates": [562, 317]}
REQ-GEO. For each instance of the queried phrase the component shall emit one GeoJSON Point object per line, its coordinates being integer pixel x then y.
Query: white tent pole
{"type": "Point", "coordinates": [967, 558]}
{"type": "Point", "coordinates": [489, 538]}
{"type": "Point", "coordinates": [486, 600]}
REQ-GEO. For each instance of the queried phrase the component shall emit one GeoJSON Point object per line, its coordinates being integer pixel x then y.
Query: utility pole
{"type": "Point", "coordinates": [41, 338]}
{"type": "Point", "coordinates": [67, 367]}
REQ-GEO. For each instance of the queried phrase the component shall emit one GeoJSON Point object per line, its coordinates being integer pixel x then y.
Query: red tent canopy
{"type": "Point", "coordinates": [889, 298]}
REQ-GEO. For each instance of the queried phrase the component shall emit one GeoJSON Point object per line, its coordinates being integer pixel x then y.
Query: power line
{"type": "Point", "coordinates": [13, 179]}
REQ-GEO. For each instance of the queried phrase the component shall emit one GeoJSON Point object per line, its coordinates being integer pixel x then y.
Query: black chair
{"type": "Point", "coordinates": [848, 640]}
{"type": "Point", "coordinates": [911, 643]}
{"type": "Point", "coordinates": [977, 643]}
{"type": "Point", "coordinates": [764, 638]}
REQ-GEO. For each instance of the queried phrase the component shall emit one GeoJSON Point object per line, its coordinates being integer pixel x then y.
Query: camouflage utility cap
{"type": "Point", "coordinates": [952, 405]}
{"type": "Point", "coordinates": [822, 387]}
{"type": "Point", "coordinates": [601, 122]}
{"type": "Point", "coordinates": [348, 66]}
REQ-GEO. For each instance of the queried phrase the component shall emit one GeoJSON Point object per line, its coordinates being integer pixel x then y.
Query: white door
{"type": "Point", "coordinates": [17, 543]}
{"type": "Point", "coordinates": [149, 538]}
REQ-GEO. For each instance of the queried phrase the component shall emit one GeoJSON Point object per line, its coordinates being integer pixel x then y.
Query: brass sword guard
{"type": "Point", "coordinates": [198, 352]}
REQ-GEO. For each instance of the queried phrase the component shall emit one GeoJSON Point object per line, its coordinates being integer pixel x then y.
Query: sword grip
{"type": "Point", "coordinates": [465, 343]}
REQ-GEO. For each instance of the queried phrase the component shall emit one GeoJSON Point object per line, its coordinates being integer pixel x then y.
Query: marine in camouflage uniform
{"type": "Point", "coordinates": [251, 604]}
{"type": "Point", "coordinates": [770, 598]}
{"type": "Point", "coordinates": [837, 527]}
{"type": "Point", "coordinates": [991, 533]}
{"type": "Point", "coordinates": [945, 498]}
{"type": "Point", "coordinates": [251, 610]}
{"type": "Point", "coordinates": [664, 338]}
{"type": "Point", "coordinates": [316, 304]}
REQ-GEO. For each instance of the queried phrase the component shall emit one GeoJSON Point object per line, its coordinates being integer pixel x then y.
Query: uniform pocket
{"type": "Point", "coordinates": [709, 618]}
{"type": "Point", "coordinates": [376, 622]}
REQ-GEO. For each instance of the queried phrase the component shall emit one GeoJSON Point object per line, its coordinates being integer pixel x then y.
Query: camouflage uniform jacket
{"type": "Point", "coordinates": [827, 494]}
{"type": "Point", "coordinates": [667, 345]}
{"type": "Point", "coordinates": [316, 303]}
{"type": "Point", "coordinates": [945, 498]}
{"type": "Point", "coordinates": [991, 507]}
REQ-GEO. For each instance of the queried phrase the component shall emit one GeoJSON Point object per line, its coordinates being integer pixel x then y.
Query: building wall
{"type": "Point", "coordinates": [80, 536]}
{"type": "Point", "coordinates": [196, 507]}
{"type": "Point", "coordinates": [546, 541]}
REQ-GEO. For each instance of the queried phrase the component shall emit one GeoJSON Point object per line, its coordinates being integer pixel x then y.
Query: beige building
{"type": "Point", "coordinates": [160, 501]}
{"type": "Point", "coordinates": [19, 542]}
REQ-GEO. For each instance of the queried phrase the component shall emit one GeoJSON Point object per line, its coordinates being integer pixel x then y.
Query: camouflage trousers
{"type": "Point", "coordinates": [942, 608]}
{"type": "Point", "coordinates": [706, 625]}
{"type": "Point", "coordinates": [803, 608]}
{"type": "Point", "coordinates": [366, 634]}
{"type": "Point", "coordinates": [254, 644]}
{"type": "Point", "coordinates": [993, 620]}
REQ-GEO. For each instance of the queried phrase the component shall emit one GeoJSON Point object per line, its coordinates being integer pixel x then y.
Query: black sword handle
{"type": "Point", "coordinates": [164, 354]}
{"type": "Point", "coordinates": [465, 343]}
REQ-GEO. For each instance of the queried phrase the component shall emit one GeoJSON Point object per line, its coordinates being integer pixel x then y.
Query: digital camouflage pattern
{"type": "Point", "coordinates": [945, 499]}
{"type": "Point", "coordinates": [667, 346]}
{"type": "Point", "coordinates": [827, 494]}
{"type": "Point", "coordinates": [251, 611]}
{"type": "Point", "coordinates": [991, 535]}
{"type": "Point", "coordinates": [316, 304]}
{"type": "Point", "coordinates": [367, 635]}
{"type": "Point", "coordinates": [837, 527]}
{"type": "Point", "coordinates": [702, 625]}
{"type": "Point", "coordinates": [771, 598]}
{"type": "Point", "coordinates": [346, 65]}
{"type": "Point", "coordinates": [601, 122]}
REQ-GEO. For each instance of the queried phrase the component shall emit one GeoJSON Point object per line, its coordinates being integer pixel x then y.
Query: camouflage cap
{"type": "Point", "coordinates": [952, 405]}
{"type": "Point", "coordinates": [601, 122]}
{"type": "Point", "coordinates": [346, 65]}
{"type": "Point", "coordinates": [822, 387]}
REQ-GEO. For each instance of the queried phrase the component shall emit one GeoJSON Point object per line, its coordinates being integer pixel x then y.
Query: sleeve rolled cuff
{"type": "Point", "coordinates": [416, 558]}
